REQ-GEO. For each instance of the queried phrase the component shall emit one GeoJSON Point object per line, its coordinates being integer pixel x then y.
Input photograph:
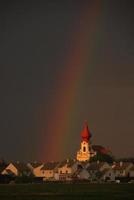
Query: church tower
{"type": "Point", "coordinates": [85, 152]}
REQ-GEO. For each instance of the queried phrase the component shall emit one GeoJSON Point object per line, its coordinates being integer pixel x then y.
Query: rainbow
{"type": "Point", "coordinates": [70, 81]}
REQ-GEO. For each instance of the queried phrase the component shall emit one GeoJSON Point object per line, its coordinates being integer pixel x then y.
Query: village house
{"type": "Point", "coordinates": [3, 165]}
{"type": "Point", "coordinates": [107, 175]}
{"type": "Point", "coordinates": [81, 173]}
{"type": "Point", "coordinates": [17, 169]}
{"type": "Point", "coordinates": [66, 169]}
{"type": "Point", "coordinates": [122, 169]}
{"type": "Point", "coordinates": [131, 172]}
{"type": "Point", "coordinates": [96, 169]}
{"type": "Point", "coordinates": [50, 171]}
{"type": "Point", "coordinates": [35, 167]}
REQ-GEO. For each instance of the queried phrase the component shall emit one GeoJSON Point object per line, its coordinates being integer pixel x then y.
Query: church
{"type": "Point", "coordinates": [86, 151]}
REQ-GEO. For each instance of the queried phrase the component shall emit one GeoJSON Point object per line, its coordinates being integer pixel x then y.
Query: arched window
{"type": "Point", "coordinates": [84, 149]}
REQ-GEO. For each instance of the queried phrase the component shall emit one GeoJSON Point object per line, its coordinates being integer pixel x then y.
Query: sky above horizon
{"type": "Point", "coordinates": [37, 41]}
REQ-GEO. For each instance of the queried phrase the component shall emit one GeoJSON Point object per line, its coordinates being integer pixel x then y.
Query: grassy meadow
{"type": "Point", "coordinates": [64, 191]}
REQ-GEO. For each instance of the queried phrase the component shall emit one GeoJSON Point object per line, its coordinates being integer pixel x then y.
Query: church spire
{"type": "Point", "coordinates": [85, 152]}
{"type": "Point", "coordinates": [86, 134]}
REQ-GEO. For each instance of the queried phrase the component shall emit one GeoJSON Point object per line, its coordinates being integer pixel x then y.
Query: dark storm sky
{"type": "Point", "coordinates": [34, 41]}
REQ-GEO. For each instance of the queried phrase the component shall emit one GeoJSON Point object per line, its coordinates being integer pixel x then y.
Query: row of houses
{"type": "Point", "coordinates": [70, 169]}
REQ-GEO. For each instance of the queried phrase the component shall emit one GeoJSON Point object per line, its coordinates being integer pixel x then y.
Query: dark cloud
{"type": "Point", "coordinates": [34, 41]}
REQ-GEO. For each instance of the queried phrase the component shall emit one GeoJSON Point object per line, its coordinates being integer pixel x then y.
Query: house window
{"type": "Point", "coordinates": [66, 171]}
{"type": "Point", "coordinates": [60, 172]}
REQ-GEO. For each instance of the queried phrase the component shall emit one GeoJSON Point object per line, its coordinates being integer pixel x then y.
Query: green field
{"type": "Point", "coordinates": [62, 191]}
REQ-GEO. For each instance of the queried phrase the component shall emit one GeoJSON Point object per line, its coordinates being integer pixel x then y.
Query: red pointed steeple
{"type": "Point", "coordinates": [86, 134]}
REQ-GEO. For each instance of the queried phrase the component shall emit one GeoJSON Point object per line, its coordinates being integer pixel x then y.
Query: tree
{"type": "Point", "coordinates": [102, 157]}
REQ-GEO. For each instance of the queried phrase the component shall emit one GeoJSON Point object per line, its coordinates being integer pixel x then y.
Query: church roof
{"type": "Point", "coordinates": [100, 149]}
